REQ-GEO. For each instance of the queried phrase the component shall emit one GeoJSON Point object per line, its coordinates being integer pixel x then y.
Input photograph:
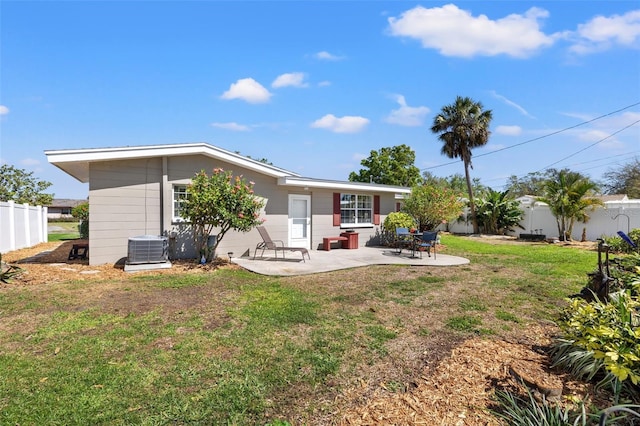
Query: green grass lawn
{"type": "Point", "coordinates": [61, 231]}
{"type": "Point", "coordinates": [232, 347]}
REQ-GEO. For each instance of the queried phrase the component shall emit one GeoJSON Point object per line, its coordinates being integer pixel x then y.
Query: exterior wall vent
{"type": "Point", "coordinates": [148, 249]}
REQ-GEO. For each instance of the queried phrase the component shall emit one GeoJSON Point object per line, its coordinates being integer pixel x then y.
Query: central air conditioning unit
{"type": "Point", "coordinates": [146, 250]}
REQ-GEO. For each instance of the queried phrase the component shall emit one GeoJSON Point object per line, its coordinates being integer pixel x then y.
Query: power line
{"type": "Point", "coordinates": [592, 145]}
{"type": "Point", "coordinates": [628, 156]}
{"type": "Point", "coordinates": [542, 137]}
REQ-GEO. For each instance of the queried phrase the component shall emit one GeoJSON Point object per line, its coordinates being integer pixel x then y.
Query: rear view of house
{"type": "Point", "coordinates": [135, 191]}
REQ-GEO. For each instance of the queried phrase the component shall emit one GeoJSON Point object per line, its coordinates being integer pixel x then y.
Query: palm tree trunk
{"type": "Point", "coordinates": [472, 205]}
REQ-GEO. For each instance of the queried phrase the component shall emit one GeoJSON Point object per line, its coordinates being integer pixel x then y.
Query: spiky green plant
{"type": "Point", "coordinates": [517, 411]}
{"type": "Point", "coordinates": [8, 271]}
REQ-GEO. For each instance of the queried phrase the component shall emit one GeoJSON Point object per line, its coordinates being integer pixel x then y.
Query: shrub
{"type": "Point", "coordinates": [618, 245]}
{"type": "Point", "coordinates": [81, 211]}
{"type": "Point", "coordinates": [432, 206]}
{"type": "Point", "coordinates": [398, 220]}
{"type": "Point", "coordinates": [602, 339]}
{"type": "Point", "coordinates": [391, 222]}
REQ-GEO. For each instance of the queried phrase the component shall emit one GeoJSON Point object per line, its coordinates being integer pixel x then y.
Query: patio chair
{"type": "Point", "coordinates": [403, 239]}
{"type": "Point", "coordinates": [269, 244]}
{"type": "Point", "coordinates": [428, 241]}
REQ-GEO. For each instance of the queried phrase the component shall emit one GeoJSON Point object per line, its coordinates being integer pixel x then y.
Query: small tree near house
{"type": "Point", "coordinates": [81, 212]}
{"type": "Point", "coordinates": [219, 202]}
{"type": "Point", "coordinates": [431, 205]}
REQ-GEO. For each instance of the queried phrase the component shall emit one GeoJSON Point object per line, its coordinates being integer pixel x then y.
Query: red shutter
{"type": "Point", "coordinates": [336, 209]}
{"type": "Point", "coordinates": [397, 207]}
{"type": "Point", "coordinates": [376, 210]}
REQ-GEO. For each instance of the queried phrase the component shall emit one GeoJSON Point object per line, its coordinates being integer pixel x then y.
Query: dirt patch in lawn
{"type": "Point", "coordinates": [49, 263]}
{"type": "Point", "coordinates": [429, 374]}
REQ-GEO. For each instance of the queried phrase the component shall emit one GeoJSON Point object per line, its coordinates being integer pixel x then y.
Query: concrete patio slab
{"type": "Point", "coordinates": [325, 261]}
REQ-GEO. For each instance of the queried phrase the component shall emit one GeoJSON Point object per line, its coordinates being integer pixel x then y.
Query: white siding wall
{"type": "Point", "coordinates": [124, 201]}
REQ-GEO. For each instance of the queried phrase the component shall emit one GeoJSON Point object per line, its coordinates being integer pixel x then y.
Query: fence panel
{"type": "Point", "coordinates": [603, 221]}
{"type": "Point", "coordinates": [21, 225]}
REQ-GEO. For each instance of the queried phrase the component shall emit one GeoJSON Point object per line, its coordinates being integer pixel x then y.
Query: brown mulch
{"type": "Point", "coordinates": [457, 390]}
{"type": "Point", "coordinates": [48, 263]}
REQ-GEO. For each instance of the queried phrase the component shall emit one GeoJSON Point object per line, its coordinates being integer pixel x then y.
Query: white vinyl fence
{"type": "Point", "coordinates": [22, 225]}
{"type": "Point", "coordinates": [603, 221]}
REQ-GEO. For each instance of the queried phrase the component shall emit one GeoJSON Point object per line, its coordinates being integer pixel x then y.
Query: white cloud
{"type": "Point", "coordinates": [509, 130]}
{"type": "Point", "coordinates": [293, 79]}
{"type": "Point", "coordinates": [359, 157]}
{"type": "Point", "coordinates": [406, 115]}
{"type": "Point", "coordinates": [324, 83]}
{"type": "Point", "coordinates": [511, 103]}
{"type": "Point", "coordinates": [231, 126]}
{"type": "Point", "coordinates": [29, 162]}
{"type": "Point", "coordinates": [603, 138]}
{"type": "Point", "coordinates": [456, 32]}
{"type": "Point", "coordinates": [326, 56]}
{"type": "Point", "coordinates": [602, 32]}
{"type": "Point", "coordinates": [346, 124]}
{"type": "Point", "coordinates": [579, 115]}
{"type": "Point", "coordinates": [248, 90]}
{"type": "Point", "coordinates": [4, 110]}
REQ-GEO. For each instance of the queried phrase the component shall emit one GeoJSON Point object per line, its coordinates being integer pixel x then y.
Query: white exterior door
{"type": "Point", "coordinates": [300, 221]}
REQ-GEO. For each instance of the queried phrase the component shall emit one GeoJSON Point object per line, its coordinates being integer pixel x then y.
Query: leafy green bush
{"type": "Point", "coordinates": [391, 222]}
{"type": "Point", "coordinates": [602, 338]}
{"type": "Point", "coordinates": [618, 245]}
{"type": "Point", "coordinates": [398, 220]}
{"type": "Point", "coordinates": [81, 211]}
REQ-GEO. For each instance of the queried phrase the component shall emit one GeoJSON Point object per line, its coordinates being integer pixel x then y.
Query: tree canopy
{"type": "Point", "coordinates": [455, 182]}
{"type": "Point", "coordinates": [624, 180]}
{"type": "Point", "coordinates": [431, 205]}
{"type": "Point", "coordinates": [219, 202]}
{"type": "Point", "coordinates": [389, 166]}
{"type": "Point", "coordinates": [462, 126]}
{"type": "Point", "coordinates": [531, 184]}
{"type": "Point", "coordinates": [22, 187]}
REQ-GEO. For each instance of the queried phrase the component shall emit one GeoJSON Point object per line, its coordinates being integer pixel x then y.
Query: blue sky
{"type": "Point", "coordinates": [315, 86]}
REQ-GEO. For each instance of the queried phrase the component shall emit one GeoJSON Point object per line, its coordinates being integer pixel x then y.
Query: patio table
{"type": "Point", "coordinates": [409, 240]}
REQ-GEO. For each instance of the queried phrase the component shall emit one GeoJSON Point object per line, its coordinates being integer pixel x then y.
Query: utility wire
{"type": "Point", "coordinates": [541, 137]}
{"type": "Point", "coordinates": [590, 146]}
{"type": "Point", "coordinates": [630, 155]}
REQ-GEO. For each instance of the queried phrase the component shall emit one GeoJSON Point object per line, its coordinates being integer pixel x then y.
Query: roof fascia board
{"type": "Point", "coordinates": [123, 153]}
{"type": "Point", "coordinates": [330, 184]}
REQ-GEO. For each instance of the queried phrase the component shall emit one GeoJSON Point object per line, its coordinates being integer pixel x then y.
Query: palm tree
{"type": "Point", "coordinates": [462, 126]}
{"type": "Point", "coordinates": [569, 196]}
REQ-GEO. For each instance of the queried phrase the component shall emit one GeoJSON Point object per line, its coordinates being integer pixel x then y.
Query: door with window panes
{"type": "Point", "coordinates": [300, 221]}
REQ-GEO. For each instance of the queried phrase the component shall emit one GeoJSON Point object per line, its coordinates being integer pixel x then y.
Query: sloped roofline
{"type": "Point", "coordinates": [304, 182]}
{"type": "Point", "coordinates": [75, 162]}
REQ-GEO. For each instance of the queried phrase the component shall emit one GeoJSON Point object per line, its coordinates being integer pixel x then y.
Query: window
{"type": "Point", "coordinates": [179, 195]}
{"type": "Point", "coordinates": [356, 209]}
